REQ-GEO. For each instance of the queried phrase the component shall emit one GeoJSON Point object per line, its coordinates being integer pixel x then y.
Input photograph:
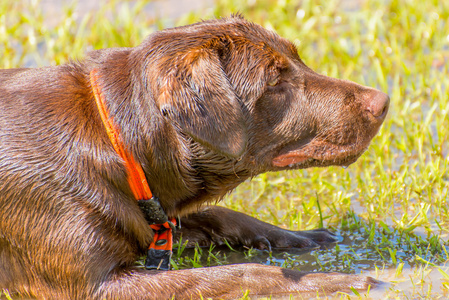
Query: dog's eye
{"type": "Point", "coordinates": [273, 81]}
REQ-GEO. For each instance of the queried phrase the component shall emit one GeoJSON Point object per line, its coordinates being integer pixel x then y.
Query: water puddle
{"type": "Point", "coordinates": [412, 266]}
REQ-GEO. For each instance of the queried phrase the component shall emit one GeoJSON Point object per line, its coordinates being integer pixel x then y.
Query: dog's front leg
{"type": "Point", "coordinates": [227, 282]}
{"type": "Point", "coordinates": [215, 224]}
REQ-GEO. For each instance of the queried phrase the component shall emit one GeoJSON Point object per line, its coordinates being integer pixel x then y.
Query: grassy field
{"type": "Point", "coordinates": [390, 207]}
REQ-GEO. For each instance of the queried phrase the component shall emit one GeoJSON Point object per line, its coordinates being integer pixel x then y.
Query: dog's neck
{"type": "Point", "coordinates": [200, 179]}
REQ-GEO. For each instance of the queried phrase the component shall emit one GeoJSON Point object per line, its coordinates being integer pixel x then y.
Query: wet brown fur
{"type": "Point", "coordinates": [196, 109]}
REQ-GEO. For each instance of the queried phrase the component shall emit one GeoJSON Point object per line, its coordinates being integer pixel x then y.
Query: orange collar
{"type": "Point", "coordinates": [160, 249]}
{"type": "Point", "coordinates": [136, 177]}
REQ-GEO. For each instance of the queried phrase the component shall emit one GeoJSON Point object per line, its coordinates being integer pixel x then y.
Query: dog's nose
{"type": "Point", "coordinates": [377, 104]}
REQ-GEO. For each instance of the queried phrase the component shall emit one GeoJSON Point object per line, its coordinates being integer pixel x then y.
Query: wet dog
{"type": "Point", "coordinates": [200, 109]}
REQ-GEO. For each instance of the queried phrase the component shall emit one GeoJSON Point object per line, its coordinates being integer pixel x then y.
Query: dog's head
{"type": "Point", "coordinates": [242, 90]}
{"type": "Point", "coordinates": [208, 105]}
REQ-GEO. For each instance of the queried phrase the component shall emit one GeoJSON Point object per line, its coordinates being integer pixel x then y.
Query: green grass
{"type": "Point", "coordinates": [390, 207]}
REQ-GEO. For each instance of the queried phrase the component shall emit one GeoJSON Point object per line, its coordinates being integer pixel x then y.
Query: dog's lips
{"type": "Point", "coordinates": [289, 159]}
{"type": "Point", "coordinates": [320, 153]}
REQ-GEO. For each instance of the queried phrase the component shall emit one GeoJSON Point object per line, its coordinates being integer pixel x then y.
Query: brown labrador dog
{"type": "Point", "coordinates": [201, 108]}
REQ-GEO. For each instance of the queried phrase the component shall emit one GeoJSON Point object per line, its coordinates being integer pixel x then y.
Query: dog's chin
{"type": "Point", "coordinates": [319, 154]}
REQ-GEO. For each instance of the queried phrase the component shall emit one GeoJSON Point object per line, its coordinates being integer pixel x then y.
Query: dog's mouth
{"type": "Point", "coordinates": [320, 154]}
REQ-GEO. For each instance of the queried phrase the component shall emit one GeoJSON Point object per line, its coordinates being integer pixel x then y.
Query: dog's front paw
{"type": "Point", "coordinates": [281, 238]}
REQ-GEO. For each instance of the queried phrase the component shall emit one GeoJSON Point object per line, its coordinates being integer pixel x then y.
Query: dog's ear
{"type": "Point", "coordinates": [197, 95]}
